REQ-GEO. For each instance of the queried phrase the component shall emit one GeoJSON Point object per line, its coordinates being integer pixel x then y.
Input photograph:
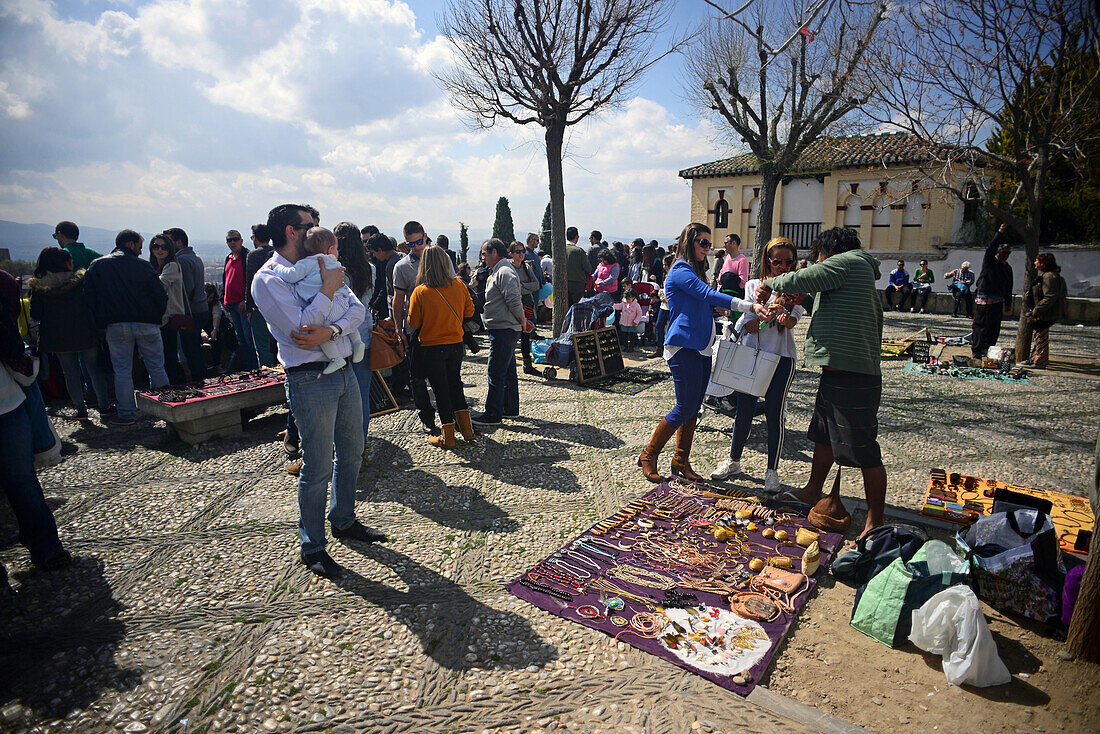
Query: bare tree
{"type": "Point", "coordinates": [957, 70]}
{"type": "Point", "coordinates": [779, 76]}
{"type": "Point", "coordinates": [551, 63]}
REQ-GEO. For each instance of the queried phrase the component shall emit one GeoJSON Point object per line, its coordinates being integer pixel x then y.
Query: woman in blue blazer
{"type": "Point", "coordinates": [689, 340]}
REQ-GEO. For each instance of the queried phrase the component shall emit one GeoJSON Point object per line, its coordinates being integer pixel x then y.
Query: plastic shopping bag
{"type": "Point", "coordinates": [951, 624]}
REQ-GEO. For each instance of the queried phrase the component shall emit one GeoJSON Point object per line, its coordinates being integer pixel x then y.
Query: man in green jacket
{"type": "Point", "coordinates": [66, 234]}
{"type": "Point", "coordinates": [845, 340]}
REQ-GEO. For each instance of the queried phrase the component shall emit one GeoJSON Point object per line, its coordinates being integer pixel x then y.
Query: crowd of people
{"type": "Point", "coordinates": [312, 300]}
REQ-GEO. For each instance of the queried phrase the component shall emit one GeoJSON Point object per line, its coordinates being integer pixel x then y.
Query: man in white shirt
{"type": "Point", "coordinates": [327, 407]}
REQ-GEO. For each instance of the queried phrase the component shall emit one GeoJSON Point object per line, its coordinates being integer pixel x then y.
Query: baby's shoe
{"type": "Point", "coordinates": [334, 365]}
{"type": "Point", "coordinates": [359, 353]}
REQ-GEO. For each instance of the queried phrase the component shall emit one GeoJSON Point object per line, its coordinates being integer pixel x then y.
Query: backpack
{"type": "Point", "coordinates": [875, 551]}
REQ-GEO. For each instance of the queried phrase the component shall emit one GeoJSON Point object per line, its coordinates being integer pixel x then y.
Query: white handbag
{"type": "Point", "coordinates": [742, 368]}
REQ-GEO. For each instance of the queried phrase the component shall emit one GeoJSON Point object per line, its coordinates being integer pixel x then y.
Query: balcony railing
{"type": "Point", "coordinates": [800, 233]}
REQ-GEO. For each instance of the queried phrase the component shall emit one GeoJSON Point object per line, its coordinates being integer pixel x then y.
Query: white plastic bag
{"type": "Point", "coordinates": [951, 624]}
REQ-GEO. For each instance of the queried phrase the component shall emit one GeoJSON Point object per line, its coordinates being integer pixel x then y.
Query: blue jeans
{"type": "Point", "coordinates": [71, 363]}
{"type": "Point", "coordinates": [328, 411]}
{"type": "Point", "coordinates": [121, 339]}
{"type": "Point", "coordinates": [690, 375]}
{"type": "Point", "coordinates": [363, 372]}
{"type": "Point", "coordinates": [37, 528]}
{"type": "Point", "coordinates": [775, 400]}
{"type": "Point", "coordinates": [261, 337]}
{"type": "Point", "coordinates": [243, 330]}
{"type": "Point", "coordinates": [503, 397]}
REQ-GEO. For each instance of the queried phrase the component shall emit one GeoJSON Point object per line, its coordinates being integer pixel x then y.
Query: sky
{"type": "Point", "coordinates": [204, 114]}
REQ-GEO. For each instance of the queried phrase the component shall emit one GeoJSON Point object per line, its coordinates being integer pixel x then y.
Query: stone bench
{"type": "Point", "coordinates": [220, 415]}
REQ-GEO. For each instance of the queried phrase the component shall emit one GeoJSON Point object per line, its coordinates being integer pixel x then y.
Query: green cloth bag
{"type": "Point", "coordinates": [884, 605]}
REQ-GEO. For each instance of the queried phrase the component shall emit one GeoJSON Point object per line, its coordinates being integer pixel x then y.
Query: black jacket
{"type": "Point", "coordinates": [253, 261]}
{"type": "Point", "coordinates": [57, 304]}
{"type": "Point", "coordinates": [123, 288]}
{"type": "Point", "coordinates": [996, 277]}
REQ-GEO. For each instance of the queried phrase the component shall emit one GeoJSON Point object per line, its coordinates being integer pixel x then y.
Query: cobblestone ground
{"type": "Point", "coordinates": [186, 609]}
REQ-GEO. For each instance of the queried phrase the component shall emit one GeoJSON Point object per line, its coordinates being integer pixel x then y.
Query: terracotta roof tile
{"type": "Point", "coordinates": [826, 154]}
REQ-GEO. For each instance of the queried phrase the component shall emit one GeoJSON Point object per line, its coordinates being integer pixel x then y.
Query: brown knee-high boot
{"type": "Point", "coordinates": [680, 460]}
{"type": "Point", "coordinates": [648, 458]}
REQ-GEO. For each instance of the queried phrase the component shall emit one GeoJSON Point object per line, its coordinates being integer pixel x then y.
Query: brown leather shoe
{"type": "Point", "coordinates": [681, 465]}
{"type": "Point", "coordinates": [446, 437]}
{"type": "Point", "coordinates": [648, 458]}
{"type": "Point", "coordinates": [465, 425]}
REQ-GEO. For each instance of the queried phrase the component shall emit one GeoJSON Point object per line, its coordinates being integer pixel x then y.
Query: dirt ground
{"type": "Point", "coordinates": [831, 666]}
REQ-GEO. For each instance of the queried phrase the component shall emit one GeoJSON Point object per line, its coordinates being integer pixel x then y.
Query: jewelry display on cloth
{"type": "Point", "coordinates": [714, 639]}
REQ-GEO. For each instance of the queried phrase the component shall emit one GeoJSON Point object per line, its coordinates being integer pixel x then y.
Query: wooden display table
{"type": "Point", "coordinates": [198, 412]}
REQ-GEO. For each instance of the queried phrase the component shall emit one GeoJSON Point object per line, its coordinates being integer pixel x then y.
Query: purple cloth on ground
{"type": "Point", "coordinates": [775, 630]}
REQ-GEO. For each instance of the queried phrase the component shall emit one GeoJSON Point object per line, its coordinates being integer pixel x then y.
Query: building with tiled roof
{"type": "Point", "coordinates": [870, 183]}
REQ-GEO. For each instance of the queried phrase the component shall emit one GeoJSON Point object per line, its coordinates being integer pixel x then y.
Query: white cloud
{"type": "Point", "coordinates": [78, 40]}
{"type": "Point", "coordinates": [207, 113]}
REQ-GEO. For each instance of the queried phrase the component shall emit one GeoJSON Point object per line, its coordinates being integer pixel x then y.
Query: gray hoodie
{"type": "Point", "coordinates": [503, 300]}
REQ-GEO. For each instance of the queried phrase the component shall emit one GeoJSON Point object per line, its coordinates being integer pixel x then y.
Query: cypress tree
{"type": "Point", "coordinates": [503, 227]}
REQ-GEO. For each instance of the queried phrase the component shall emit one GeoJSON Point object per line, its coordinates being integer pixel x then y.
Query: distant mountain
{"type": "Point", "coordinates": [25, 241]}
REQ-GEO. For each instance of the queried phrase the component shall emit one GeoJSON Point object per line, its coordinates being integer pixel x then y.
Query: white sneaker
{"type": "Point", "coordinates": [334, 365]}
{"type": "Point", "coordinates": [359, 353]}
{"type": "Point", "coordinates": [728, 468]}
{"type": "Point", "coordinates": [771, 481]}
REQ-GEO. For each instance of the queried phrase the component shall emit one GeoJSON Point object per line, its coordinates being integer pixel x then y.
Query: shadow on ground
{"type": "Point", "coordinates": [446, 634]}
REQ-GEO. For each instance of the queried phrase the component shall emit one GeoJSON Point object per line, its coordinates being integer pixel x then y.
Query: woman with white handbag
{"type": "Point", "coordinates": [688, 343]}
{"type": "Point", "coordinates": [774, 337]}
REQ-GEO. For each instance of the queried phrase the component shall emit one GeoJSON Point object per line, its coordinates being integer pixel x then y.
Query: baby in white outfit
{"type": "Point", "coordinates": [305, 275]}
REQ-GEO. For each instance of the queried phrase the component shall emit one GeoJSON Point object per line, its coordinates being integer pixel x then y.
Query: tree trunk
{"type": "Point", "coordinates": [1023, 329]}
{"type": "Point", "coordinates": [769, 182]}
{"type": "Point", "coordinates": [555, 135]}
{"type": "Point", "coordinates": [1083, 640]}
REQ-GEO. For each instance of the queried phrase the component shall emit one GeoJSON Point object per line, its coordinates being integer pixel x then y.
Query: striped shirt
{"type": "Point", "coordinates": [845, 332]}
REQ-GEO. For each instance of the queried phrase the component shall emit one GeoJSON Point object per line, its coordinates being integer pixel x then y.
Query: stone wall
{"type": "Point", "coordinates": [1078, 310]}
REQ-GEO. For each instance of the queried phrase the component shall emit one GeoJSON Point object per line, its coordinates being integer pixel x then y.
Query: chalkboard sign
{"type": "Point", "coordinates": [381, 399]}
{"type": "Point", "coordinates": [597, 353]}
{"type": "Point", "coordinates": [611, 354]}
{"type": "Point", "coordinates": [586, 350]}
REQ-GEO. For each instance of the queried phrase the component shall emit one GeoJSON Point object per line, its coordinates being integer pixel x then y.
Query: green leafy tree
{"type": "Point", "coordinates": [463, 242]}
{"type": "Point", "coordinates": [544, 233]}
{"type": "Point", "coordinates": [502, 226]}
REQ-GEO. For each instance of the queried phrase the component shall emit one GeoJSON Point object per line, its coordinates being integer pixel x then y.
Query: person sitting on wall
{"type": "Point", "coordinates": [961, 288]}
{"type": "Point", "coordinates": [899, 283]}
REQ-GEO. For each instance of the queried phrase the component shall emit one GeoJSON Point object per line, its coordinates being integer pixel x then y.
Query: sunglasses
{"type": "Point", "coordinates": [159, 246]}
{"type": "Point", "coordinates": [302, 226]}
{"type": "Point", "coordinates": [232, 239]}
{"type": "Point", "coordinates": [705, 244]}
{"type": "Point", "coordinates": [517, 252]}
{"type": "Point", "coordinates": [777, 261]}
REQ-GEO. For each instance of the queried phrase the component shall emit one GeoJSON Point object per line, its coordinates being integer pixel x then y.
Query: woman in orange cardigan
{"type": "Point", "coordinates": [438, 306]}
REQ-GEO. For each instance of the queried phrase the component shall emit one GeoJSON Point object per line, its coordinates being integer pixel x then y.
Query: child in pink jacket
{"type": "Point", "coordinates": [629, 317]}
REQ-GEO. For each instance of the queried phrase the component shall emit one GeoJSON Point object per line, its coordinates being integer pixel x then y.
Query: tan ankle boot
{"type": "Point", "coordinates": [465, 425]}
{"type": "Point", "coordinates": [648, 458]}
{"type": "Point", "coordinates": [446, 437]}
{"type": "Point", "coordinates": [680, 460]}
